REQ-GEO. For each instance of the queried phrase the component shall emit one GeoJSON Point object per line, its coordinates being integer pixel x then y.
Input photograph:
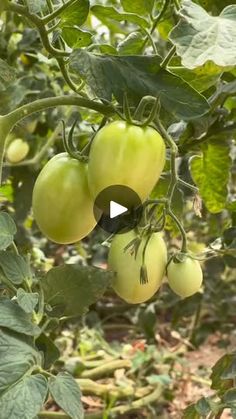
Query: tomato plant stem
{"type": "Point", "coordinates": [57, 12]}
{"type": "Point", "coordinates": [173, 182]}
{"type": "Point", "coordinates": [8, 121]}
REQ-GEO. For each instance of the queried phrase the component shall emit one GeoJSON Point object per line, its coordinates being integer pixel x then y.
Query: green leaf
{"type": "Point", "coordinates": [25, 399]}
{"type": "Point", "coordinates": [50, 351]}
{"type": "Point", "coordinates": [27, 301]}
{"type": "Point", "coordinates": [75, 37]}
{"type": "Point", "coordinates": [7, 230]}
{"type": "Point", "coordinates": [107, 49]}
{"type": "Point", "coordinates": [18, 355]}
{"type": "Point", "coordinates": [132, 44]}
{"type": "Point", "coordinates": [191, 413]}
{"type": "Point", "coordinates": [14, 267]}
{"type": "Point", "coordinates": [200, 37]}
{"type": "Point", "coordinates": [138, 76]}
{"type": "Point", "coordinates": [14, 318]}
{"type": "Point", "coordinates": [203, 407]}
{"type": "Point", "coordinates": [71, 289]}
{"type": "Point", "coordinates": [104, 13]}
{"type": "Point", "coordinates": [66, 393]}
{"type": "Point", "coordinates": [229, 397]}
{"type": "Point", "coordinates": [75, 14]}
{"type": "Point", "coordinates": [36, 6]}
{"type": "Point", "coordinates": [141, 7]}
{"type": "Point", "coordinates": [210, 172]}
{"type": "Point", "coordinates": [224, 373]}
{"type": "Point", "coordinates": [201, 78]}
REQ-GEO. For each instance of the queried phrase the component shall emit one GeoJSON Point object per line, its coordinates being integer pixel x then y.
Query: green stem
{"type": "Point", "coordinates": [177, 5]}
{"type": "Point", "coordinates": [160, 15]}
{"type": "Point", "coordinates": [187, 185]}
{"type": "Point", "coordinates": [57, 12]}
{"type": "Point", "coordinates": [173, 182]}
{"type": "Point", "coordinates": [8, 121]}
{"type": "Point", "coordinates": [15, 248]}
{"type": "Point", "coordinates": [5, 128]}
{"type": "Point", "coordinates": [42, 104]}
{"type": "Point", "coordinates": [181, 229]}
{"type": "Point", "coordinates": [38, 22]}
{"type": "Point", "coordinates": [168, 57]}
{"type": "Point", "coordinates": [50, 6]}
{"type": "Point", "coordinates": [155, 23]}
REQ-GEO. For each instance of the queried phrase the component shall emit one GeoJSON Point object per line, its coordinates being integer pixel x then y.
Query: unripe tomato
{"type": "Point", "coordinates": [17, 151]}
{"type": "Point", "coordinates": [185, 278]}
{"type": "Point", "coordinates": [124, 154]}
{"type": "Point", "coordinates": [127, 267]}
{"type": "Point", "coordinates": [62, 205]}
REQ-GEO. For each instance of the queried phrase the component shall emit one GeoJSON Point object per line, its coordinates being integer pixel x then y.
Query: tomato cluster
{"type": "Point", "coordinates": [63, 197]}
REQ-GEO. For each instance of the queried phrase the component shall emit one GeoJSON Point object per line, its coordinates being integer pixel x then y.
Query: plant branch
{"type": "Point", "coordinates": [42, 104]}
{"type": "Point", "coordinates": [155, 23]}
{"type": "Point", "coordinates": [173, 182]}
{"type": "Point", "coordinates": [57, 12]}
{"type": "Point", "coordinates": [160, 15]}
{"type": "Point", "coordinates": [38, 22]}
{"type": "Point", "coordinates": [168, 57]}
{"type": "Point", "coordinates": [8, 121]}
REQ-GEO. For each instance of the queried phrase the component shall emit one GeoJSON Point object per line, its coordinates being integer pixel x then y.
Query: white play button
{"type": "Point", "coordinates": [116, 209]}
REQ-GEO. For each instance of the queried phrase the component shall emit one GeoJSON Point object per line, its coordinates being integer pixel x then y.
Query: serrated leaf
{"type": "Point", "coordinates": [14, 318]}
{"type": "Point", "coordinates": [200, 37]}
{"type": "Point", "coordinates": [106, 12]}
{"type": "Point", "coordinates": [71, 289]}
{"type": "Point", "coordinates": [18, 355]}
{"type": "Point", "coordinates": [66, 393]}
{"type": "Point", "coordinates": [75, 37]}
{"type": "Point", "coordinates": [132, 44]}
{"type": "Point", "coordinates": [141, 7]}
{"type": "Point", "coordinates": [14, 267]}
{"type": "Point", "coordinates": [75, 14]}
{"type": "Point", "coordinates": [25, 399]}
{"type": "Point", "coordinates": [210, 172]}
{"type": "Point", "coordinates": [138, 76]}
{"type": "Point", "coordinates": [27, 301]}
{"type": "Point", "coordinates": [7, 230]}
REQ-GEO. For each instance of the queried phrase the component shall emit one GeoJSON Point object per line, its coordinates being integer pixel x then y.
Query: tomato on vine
{"type": "Point", "coordinates": [127, 266]}
{"type": "Point", "coordinates": [185, 278]}
{"type": "Point", "coordinates": [62, 204]}
{"type": "Point", "coordinates": [125, 154]}
{"type": "Point", "coordinates": [17, 151]}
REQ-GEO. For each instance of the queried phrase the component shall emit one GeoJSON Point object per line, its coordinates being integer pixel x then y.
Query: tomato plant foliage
{"type": "Point", "coordinates": [165, 70]}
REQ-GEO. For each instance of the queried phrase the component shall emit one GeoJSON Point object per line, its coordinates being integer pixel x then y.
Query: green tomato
{"type": "Point", "coordinates": [17, 151]}
{"type": "Point", "coordinates": [185, 278]}
{"type": "Point", "coordinates": [62, 204]}
{"type": "Point", "coordinates": [127, 267]}
{"type": "Point", "coordinates": [124, 154]}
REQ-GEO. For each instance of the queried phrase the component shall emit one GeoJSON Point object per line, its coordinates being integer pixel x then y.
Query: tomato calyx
{"type": "Point", "coordinates": [69, 145]}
